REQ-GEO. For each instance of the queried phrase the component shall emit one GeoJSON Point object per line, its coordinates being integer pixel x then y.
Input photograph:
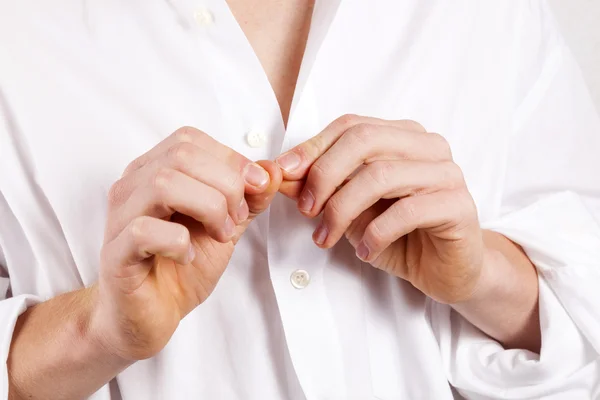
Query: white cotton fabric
{"type": "Point", "coordinates": [87, 86]}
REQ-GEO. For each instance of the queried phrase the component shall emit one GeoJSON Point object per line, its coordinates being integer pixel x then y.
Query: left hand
{"type": "Point", "coordinates": [394, 191]}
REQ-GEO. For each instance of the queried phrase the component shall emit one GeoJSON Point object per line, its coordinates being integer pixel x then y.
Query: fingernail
{"type": "Point", "coordinates": [191, 254]}
{"type": "Point", "coordinates": [362, 251]}
{"type": "Point", "coordinates": [255, 175]}
{"type": "Point", "coordinates": [306, 201]}
{"type": "Point", "coordinates": [320, 235]}
{"type": "Point", "coordinates": [243, 211]}
{"type": "Point", "coordinates": [289, 161]}
{"type": "Point", "coordinates": [229, 226]}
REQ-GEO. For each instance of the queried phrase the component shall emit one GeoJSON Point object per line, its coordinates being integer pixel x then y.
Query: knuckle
{"type": "Point", "coordinates": [463, 215]}
{"type": "Point", "coordinates": [162, 181]}
{"type": "Point", "coordinates": [469, 208]}
{"type": "Point", "coordinates": [381, 172]}
{"type": "Point", "coordinates": [181, 154]}
{"type": "Point", "coordinates": [443, 145]}
{"type": "Point", "coordinates": [334, 209]}
{"type": "Point", "coordinates": [360, 134]}
{"type": "Point", "coordinates": [234, 184]}
{"type": "Point", "coordinates": [185, 134]}
{"type": "Point", "coordinates": [347, 120]}
{"type": "Point", "coordinates": [466, 197]}
{"type": "Point", "coordinates": [377, 233]}
{"type": "Point", "coordinates": [182, 241]}
{"type": "Point", "coordinates": [315, 146]}
{"type": "Point", "coordinates": [406, 210]}
{"type": "Point", "coordinates": [414, 126]}
{"type": "Point", "coordinates": [319, 171]}
{"type": "Point", "coordinates": [137, 230]}
{"type": "Point", "coordinates": [218, 206]}
{"type": "Point", "coordinates": [453, 174]}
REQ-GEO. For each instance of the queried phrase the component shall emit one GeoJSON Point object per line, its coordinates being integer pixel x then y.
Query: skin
{"type": "Point", "coordinates": [172, 227]}
{"type": "Point", "coordinates": [394, 192]}
{"type": "Point", "coordinates": [277, 31]}
{"type": "Point", "coordinates": [173, 221]}
{"type": "Point", "coordinates": [101, 325]}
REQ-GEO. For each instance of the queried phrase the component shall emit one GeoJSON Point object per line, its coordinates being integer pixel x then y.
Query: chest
{"type": "Point", "coordinates": [277, 32]}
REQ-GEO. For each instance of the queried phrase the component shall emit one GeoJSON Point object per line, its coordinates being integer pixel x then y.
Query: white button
{"type": "Point", "coordinates": [256, 139]}
{"type": "Point", "coordinates": [300, 279]}
{"type": "Point", "coordinates": [203, 17]}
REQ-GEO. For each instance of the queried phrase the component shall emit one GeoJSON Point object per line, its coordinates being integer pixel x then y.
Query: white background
{"type": "Point", "coordinates": [580, 21]}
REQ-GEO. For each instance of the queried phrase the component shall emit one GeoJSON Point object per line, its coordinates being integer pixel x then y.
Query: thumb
{"type": "Point", "coordinates": [259, 199]}
{"type": "Point", "coordinates": [259, 202]}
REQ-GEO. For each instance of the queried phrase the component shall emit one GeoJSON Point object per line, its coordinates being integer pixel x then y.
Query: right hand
{"type": "Point", "coordinates": [173, 220]}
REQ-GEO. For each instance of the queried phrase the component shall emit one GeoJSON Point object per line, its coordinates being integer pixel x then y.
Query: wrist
{"type": "Point", "coordinates": [490, 280]}
{"type": "Point", "coordinates": [505, 271]}
{"type": "Point", "coordinates": [98, 336]}
{"type": "Point", "coordinates": [504, 303]}
{"type": "Point", "coordinates": [55, 351]}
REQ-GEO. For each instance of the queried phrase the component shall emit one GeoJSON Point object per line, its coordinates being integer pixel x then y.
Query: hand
{"type": "Point", "coordinates": [393, 190]}
{"type": "Point", "coordinates": [173, 220]}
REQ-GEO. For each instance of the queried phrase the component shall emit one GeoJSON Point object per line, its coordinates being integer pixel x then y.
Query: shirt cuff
{"type": "Point", "coordinates": [562, 239]}
{"type": "Point", "coordinates": [10, 310]}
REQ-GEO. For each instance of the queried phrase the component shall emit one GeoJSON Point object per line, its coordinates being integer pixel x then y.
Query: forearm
{"type": "Point", "coordinates": [55, 354]}
{"type": "Point", "coordinates": [505, 304]}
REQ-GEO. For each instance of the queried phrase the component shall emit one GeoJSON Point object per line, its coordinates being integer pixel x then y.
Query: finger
{"type": "Point", "coordinates": [364, 144]}
{"type": "Point", "coordinates": [291, 189]}
{"type": "Point", "coordinates": [382, 180]}
{"type": "Point", "coordinates": [446, 214]}
{"type": "Point", "coordinates": [208, 169]}
{"type": "Point", "coordinates": [226, 178]}
{"type": "Point", "coordinates": [261, 176]}
{"type": "Point", "coordinates": [196, 137]}
{"type": "Point", "coordinates": [145, 237]}
{"type": "Point", "coordinates": [356, 230]}
{"type": "Point", "coordinates": [172, 191]}
{"type": "Point", "coordinates": [298, 160]}
{"type": "Point", "coordinates": [259, 201]}
{"type": "Point", "coordinates": [141, 239]}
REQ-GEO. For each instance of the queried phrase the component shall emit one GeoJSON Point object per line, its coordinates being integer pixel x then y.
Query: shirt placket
{"type": "Point", "coordinates": [256, 129]}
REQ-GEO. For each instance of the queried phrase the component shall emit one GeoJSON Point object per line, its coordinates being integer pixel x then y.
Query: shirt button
{"type": "Point", "coordinates": [203, 17]}
{"type": "Point", "coordinates": [300, 279]}
{"type": "Point", "coordinates": [256, 139]}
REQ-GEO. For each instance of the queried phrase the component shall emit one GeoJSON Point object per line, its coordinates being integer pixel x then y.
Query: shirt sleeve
{"type": "Point", "coordinates": [10, 310]}
{"type": "Point", "coordinates": [11, 307]}
{"type": "Point", "coordinates": [551, 207]}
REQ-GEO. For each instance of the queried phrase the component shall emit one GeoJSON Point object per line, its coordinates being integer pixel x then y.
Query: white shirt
{"type": "Point", "coordinates": [87, 86]}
